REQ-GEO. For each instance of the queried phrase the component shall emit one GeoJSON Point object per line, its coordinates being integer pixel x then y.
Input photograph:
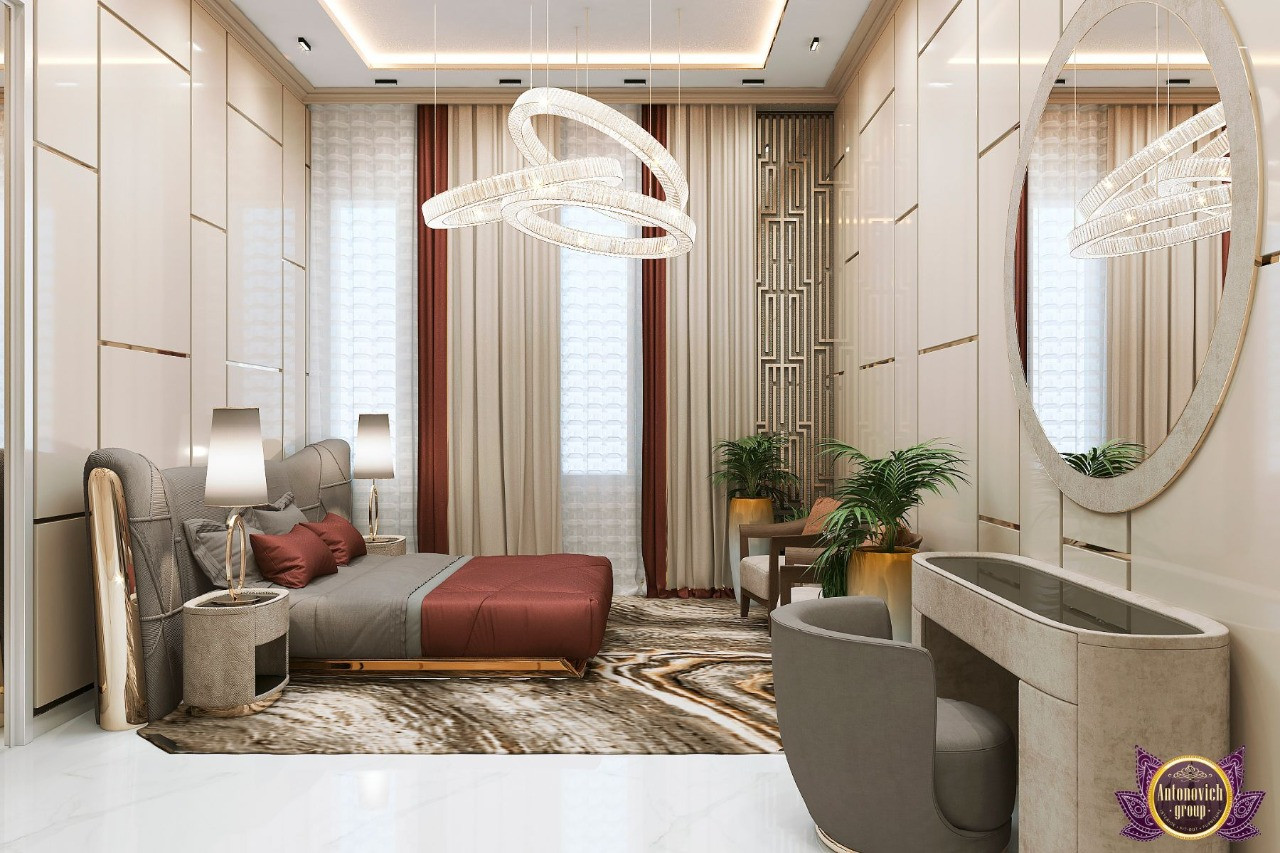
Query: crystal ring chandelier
{"type": "Point", "coordinates": [522, 196]}
{"type": "Point", "coordinates": [1156, 185]}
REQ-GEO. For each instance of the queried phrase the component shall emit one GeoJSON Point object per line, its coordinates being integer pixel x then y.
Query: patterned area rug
{"type": "Point", "coordinates": [674, 677]}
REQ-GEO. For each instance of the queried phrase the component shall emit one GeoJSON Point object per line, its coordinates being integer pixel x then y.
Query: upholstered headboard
{"type": "Point", "coordinates": [158, 502]}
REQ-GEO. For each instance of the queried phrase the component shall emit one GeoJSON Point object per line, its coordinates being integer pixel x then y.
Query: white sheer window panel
{"type": "Point", "coordinates": [601, 378]}
{"type": "Point", "coordinates": [362, 302]}
{"type": "Point", "coordinates": [1067, 297]}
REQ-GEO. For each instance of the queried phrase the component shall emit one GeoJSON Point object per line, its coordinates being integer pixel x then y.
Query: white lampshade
{"type": "Point", "coordinates": [373, 448]}
{"type": "Point", "coordinates": [237, 474]}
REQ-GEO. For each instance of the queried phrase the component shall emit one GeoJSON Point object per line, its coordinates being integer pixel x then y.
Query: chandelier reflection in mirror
{"type": "Point", "coordinates": [1164, 195]}
{"type": "Point", "coordinates": [523, 196]}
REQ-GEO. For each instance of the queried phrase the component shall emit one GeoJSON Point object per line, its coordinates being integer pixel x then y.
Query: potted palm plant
{"type": "Point", "coordinates": [758, 485]}
{"type": "Point", "coordinates": [863, 552]}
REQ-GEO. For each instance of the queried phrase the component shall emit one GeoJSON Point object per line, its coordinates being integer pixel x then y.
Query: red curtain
{"type": "Point", "coordinates": [433, 353]}
{"type": "Point", "coordinates": [653, 436]}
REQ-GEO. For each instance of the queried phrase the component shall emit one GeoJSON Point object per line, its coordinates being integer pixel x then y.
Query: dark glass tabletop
{"type": "Point", "coordinates": [1059, 600]}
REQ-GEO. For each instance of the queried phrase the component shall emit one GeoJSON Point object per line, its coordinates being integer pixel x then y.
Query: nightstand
{"type": "Point", "coordinates": [385, 546]}
{"type": "Point", "coordinates": [235, 659]}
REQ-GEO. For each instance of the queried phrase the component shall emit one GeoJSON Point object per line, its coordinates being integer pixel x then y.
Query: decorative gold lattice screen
{"type": "Point", "coordinates": [793, 288]}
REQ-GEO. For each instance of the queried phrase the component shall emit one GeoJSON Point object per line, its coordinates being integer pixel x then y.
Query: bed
{"type": "Point", "coordinates": [409, 615]}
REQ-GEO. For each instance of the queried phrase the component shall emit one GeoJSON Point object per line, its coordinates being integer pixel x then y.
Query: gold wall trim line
{"type": "Point", "coordinates": [910, 210]}
{"type": "Point", "coordinates": [836, 165]}
{"type": "Point", "coordinates": [851, 257]}
{"type": "Point", "coordinates": [186, 69]}
{"type": "Point", "coordinates": [1096, 549]}
{"type": "Point", "coordinates": [999, 522]}
{"type": "Point", "coordinates": [1267, 259]}
{"type": "Point", "coordinates": [250, 366]}
{"type": "Point", "coordinates": [294, 263]}
{"type": "Point", "coordinates": [268, 133]}
{"type": "Point", "coordinates": [948, 345]}
{"type": "Point", "coordinates": [879, 363]}
{"type": "Point", "coordinates": [204, 221]}
{"type": "Point", "coordinates": [1001, 138]}
{"type": "Point", "coordinates": [66, 516]}
{"type": "Point", "coordinates": [65, 156]}
{"type": "Point", "coordinates": [876, 111]}
{"type": "Point", "coordinates": [140, 348]}
{"type": "Point", "coordinates": [933, 35]}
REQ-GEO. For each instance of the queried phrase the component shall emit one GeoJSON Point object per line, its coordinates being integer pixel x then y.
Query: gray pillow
{"type": "Point", "coordinates": [276, 518]}
{"type": "Point", "coordinates": [208, 542]}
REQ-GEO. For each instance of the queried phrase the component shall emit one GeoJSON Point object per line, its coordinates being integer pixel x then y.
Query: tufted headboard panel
{"type": "Point", "coordinates": [158, 502]}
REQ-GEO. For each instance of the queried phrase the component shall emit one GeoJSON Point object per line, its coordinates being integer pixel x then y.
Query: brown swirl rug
{"type": "Point", "coordinates": [674, 677]}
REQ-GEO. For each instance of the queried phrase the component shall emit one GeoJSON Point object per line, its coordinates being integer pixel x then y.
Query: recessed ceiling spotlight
{"type": "Point", "coordinates": [1179, 81]}
{"type": "Point", "coordinates": [509, 81]}
{"type": "Point", "coordinates": [1061, 81]}
{"type": "Point", "coordinates": [815, 44]}
{"type": "Point", "coordinates": [304, 45]}
{"type": "Point", "coordinates": [753, 81]}
{"type": "Point", "coordinates": [386, 81]}
{"type": "Point", "coordinates": [634, 81]}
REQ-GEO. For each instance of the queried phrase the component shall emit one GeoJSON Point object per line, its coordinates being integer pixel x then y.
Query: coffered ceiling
{"type": "Point", "coordinates": [702, 44]}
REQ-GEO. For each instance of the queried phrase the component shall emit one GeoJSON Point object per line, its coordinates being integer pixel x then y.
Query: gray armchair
{"type": "Point", "coordinates": [883, 764]}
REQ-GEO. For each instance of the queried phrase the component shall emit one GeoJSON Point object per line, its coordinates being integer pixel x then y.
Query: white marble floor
{"type": "Point", "coordinates": [84, 790]}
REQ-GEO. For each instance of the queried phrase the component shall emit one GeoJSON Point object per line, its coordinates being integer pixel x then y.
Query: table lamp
{"type": "Point", "coordinates": [237, 477]}
{"type": "Point", "coordinates": [373, 460]}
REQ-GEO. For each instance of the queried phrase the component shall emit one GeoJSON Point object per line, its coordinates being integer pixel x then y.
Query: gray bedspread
{"type": "Point", "coordinates": [370, 610]}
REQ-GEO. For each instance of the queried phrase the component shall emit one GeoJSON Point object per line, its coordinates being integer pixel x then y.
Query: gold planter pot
{"type": "Point", "coordinates": [744, 511]}
{"type": "Point", "coordinates": [886, 576]}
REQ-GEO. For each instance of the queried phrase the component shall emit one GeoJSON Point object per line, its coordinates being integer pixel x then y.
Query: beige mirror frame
{"type": "Point", "coordinates": [1209, 22]}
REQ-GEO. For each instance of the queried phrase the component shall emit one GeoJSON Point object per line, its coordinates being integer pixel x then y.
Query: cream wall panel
{"type": "Point", "coordinates": [65, 660]}
{"type": "Point", "coordinates": [295, 180]}
{"type": "Point", "coordinates": [146, 404]}
{"type": "Point", "coordinates": [930, 15]}
{"type": "Point", "coordinates": [1263, 18]}
{"type": "Point", "coordinates": [997, 538]}
{"type": "Point", "coordinates": [875, 78]}
{"type": "Point", "coordinates": [146, 186]}
{"type": "Point", "coordinates": [253, 91]}
{"type": "Point", "coordinates": [66, 331]}
{"type": "Point", "coordinates": [1105, 530]}
{"type": "Point", "coordinates": [1105, 568]}
{"type": "Point", "coordinates": [208, 118]}
{"type": "Point", "coordinates": [876, 243]}
{"type": "Point", "coordinates": [208, 332]}
{"type": "Point", "coordinates": [165, 23]}
{"type": "Point", "coordinates": [997, 408]}
{"type": "Point", "coordinates": [264, 390]}
{"type": "Point", "coordinates": [998, 107]}
{"type": "Point", "coordinates": [948, 397]}
{"type": "Point", "coordinates": [1038, 30]}
{"type": "Point", "coordinates": [1207, 542]}
{"type": "Point", "coordinates": [295, 357]}
{"type": "Point", "coordinates": [1039, 508]}
{"type": "Point", "coordinates": [66, 77]}
{"type": "Point", "coordinates": [254, 241]}
{"type": "Point", "coordinates": [948, 182]}
{"type": "Point", "coordinates": [846, 403]}
{"type": "Point", "coordinates": [904, 348]}
{"type": "Point", "coordinates": [875, 410]}
{"type": "Point", "coordinates": [904, 105]}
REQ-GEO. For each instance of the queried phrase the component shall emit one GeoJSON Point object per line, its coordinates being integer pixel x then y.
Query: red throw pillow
{"type": "Point", "coordinates": [340, 535]}
{"type": "Point", "coordinates": [293, 559]}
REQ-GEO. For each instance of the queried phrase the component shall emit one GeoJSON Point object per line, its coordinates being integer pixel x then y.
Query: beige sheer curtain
{"type": "Point", "coordinates": [1161, 305]}
{"type": "Point", "coordinates": [504, 371]}
{"type": "Point", "coordinates": [711, 333]}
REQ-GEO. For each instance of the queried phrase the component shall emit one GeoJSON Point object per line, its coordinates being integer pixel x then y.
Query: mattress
{"type": "Point", "coordinates": [437, 605]}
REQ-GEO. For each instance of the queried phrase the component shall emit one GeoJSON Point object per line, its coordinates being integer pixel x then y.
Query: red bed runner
{"type": "Point", "coordinates": [554, 605]}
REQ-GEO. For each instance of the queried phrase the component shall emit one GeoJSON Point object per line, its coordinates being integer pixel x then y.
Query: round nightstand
{"type": "Point", "coordinates": [235, 659]}
{"type": "Point", "coordinates": [385, 546]}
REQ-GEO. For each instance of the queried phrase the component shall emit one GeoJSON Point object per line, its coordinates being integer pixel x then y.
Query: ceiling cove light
{"type": "Point", "coordinates": [522, 196]}
{"type": "Point", "coordinates": [1159, 198]}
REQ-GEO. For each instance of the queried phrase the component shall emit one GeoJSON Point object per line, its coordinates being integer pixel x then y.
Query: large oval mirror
{"type": "Point", "coordinates": [1131, 245]}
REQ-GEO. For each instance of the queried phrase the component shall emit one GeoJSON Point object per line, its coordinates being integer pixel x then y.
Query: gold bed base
{"type": "Point", "coordinates": [444, 667]}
